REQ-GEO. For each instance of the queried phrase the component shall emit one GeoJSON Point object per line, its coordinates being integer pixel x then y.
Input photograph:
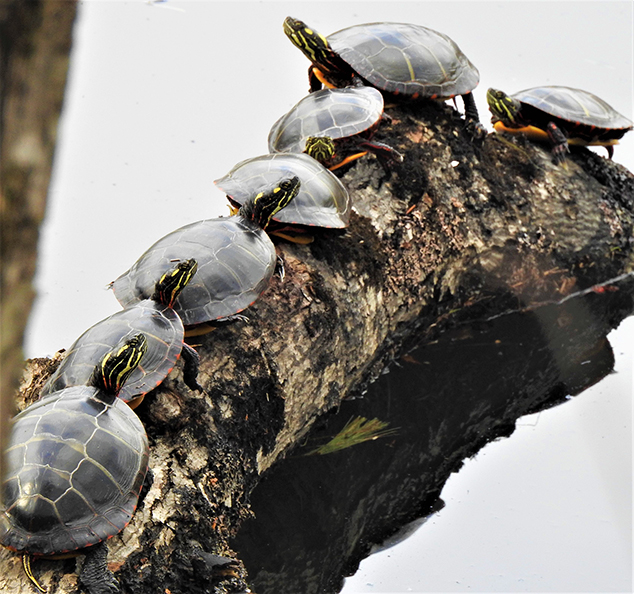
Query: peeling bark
{"type": "Point", "coordinates": [459, 232]}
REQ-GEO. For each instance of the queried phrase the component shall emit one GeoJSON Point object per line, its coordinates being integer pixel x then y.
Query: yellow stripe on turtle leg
{"type": "Point", "coordinates": [26, 564]}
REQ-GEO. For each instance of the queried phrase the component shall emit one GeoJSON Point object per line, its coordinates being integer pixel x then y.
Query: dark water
{"type": "Point", "coordinates": [317, 516]}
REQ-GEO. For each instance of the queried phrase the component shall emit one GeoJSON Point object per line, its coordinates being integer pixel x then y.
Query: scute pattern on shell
{"type": "Point", "coordinates": [574, 105]}
{"type": "Point", "coordinates": [236, 260]}
{"type": "Point", "coordinates": [75, 467]}
{"type": "Point", "coordinates": [322, 199]}
{"type": "Point", "coordinates": [337, 113]}
{"type": "Point", "coordinates": [406, 59]}
{"type": "Point", "coordinates": [161, 326]}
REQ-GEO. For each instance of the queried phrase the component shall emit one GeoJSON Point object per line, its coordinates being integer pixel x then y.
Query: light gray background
{"type": "Point", "coordinates": [163, 98]}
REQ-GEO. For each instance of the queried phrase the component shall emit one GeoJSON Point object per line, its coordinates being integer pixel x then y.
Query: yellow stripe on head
{"type": "Point", "coordinates": [117, 365]}
{"type": "Point", "coordinates": [174, 281]}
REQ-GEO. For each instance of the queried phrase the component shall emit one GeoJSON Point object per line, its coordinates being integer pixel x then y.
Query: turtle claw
{"type": "Point", "coordinates": [476, 130]}
{"type": "Point", "coordinates": [279, 268]}
{"type": "Point", "coordinates": [95, 574]}
{"type": "Point", "coordinates": [559, 143]}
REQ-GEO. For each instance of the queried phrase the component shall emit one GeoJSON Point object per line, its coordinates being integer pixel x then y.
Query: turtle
{"type": "Point", "coordinates": [322, 200]}
{"type": "Point", "coordinates": [401, 59]}
{"type": "Point", "coordinates": [328, 123]}
{"type": "Point", "coordinates": [236, 260]}
{"type": "Point", "coordinates": [161, 326]}
{"type": "Point", "coordinates": [76, 462]}
{"type": "Point", "coordinates": [560, 115]}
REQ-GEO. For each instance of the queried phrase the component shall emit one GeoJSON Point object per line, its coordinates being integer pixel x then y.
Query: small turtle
{"type": "Point", "coordinates": [76, 462]}
{"type": "Point", "coordinates": [326, 124]}
{"type": "Point", "coordinates": [560, 115]}
{"type": "Point", "coordinates": [236, 260]}
{"type": "Point", "coordinates": [322, 200]}
{"type": "Point", "coordinates": [400, 59]}
{"type": "Point", "coordinates": [162, 328]}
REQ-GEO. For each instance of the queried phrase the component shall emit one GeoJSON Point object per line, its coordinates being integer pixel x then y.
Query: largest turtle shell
{"type": "Point", "coordinates": [322, 199]}
{"type": "Point", "coordinates": [75, 467]}
{"type": "Point", "coordinates": [406, 59]}
{"type": "Point", "coordinates": [236, 260]}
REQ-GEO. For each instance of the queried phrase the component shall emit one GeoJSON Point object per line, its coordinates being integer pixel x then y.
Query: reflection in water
{"type": "Point", "coordinates": [317, 516]}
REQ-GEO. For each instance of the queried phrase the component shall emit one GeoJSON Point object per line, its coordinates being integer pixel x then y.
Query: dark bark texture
{"type": "Point", "coordinates": [460, 231]}
{"type": "Point", "coordinates": [35, 41]}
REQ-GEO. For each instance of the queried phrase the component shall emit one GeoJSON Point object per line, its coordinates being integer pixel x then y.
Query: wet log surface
{"type": "Point", "coordinates": [460, 233]}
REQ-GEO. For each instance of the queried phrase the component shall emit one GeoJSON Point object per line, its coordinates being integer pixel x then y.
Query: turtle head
{"type": "Point", "coordinates": [117, 365]}
{"type": "Point", "coordinates": [313, 45]}
{"type": "Point", "coordinates": [261, 208]}
{"type": "Point", "coordinates": [320, 148]}
{"type": "Point", "coordinates": [174, 281]}
{"type": "Point", "coordinates": [504, 108]}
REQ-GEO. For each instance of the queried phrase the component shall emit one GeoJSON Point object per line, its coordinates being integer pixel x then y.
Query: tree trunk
{"type": "Point", "coordinates": [459, 232]}
{"type": "Point", "coordinates": [35, 40]}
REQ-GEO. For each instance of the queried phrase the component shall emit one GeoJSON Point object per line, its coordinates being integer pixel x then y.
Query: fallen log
{"type": "Point", "coordinates": [460, 232]}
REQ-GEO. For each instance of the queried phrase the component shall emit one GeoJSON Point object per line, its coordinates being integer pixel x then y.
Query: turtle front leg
{"type": "Point", "coordinates": [476, 130]}
{"type": "Point", "coordinates": [191, 364]}
{"type": "Point", "coordinates": [384, 153]}
{"type": "Point", "coordinates": [558, 141]}
{"type": "Point", "coordinates": [95, 575]}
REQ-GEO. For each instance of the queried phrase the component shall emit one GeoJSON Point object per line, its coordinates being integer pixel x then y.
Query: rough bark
{"type": "Point", "coordinates": [460, 231]}
{"type": "Point", "coordinates": [35, 41]}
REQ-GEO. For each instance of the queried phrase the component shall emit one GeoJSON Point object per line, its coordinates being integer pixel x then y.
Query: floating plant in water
{"type": "Point", "coordinates": [356, 431]}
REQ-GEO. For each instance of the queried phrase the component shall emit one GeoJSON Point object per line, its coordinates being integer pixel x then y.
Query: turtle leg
{"type": "Point", "coordinates": [473, 125]}
{"type": "Point", "coordinates": [95, 575]}
{"type": "Point", "coordinates": [191, 363]}
{"type": "Point", "coordinates": [610, 149]}
{"type": "Point", "coordinates": [26, 564]}
{"type": "Point", "coordinates": [558, 141]}
{"type": "Point", "coordinates": [384, 153]}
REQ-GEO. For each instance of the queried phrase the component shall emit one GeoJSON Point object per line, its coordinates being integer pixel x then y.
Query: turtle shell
{"type": "Point", "coordinates": [337, 113]}
{"type": "Point", "coordinates": [322, 199]}
{"type": "Point", "coordinates": [75, 467]}
{"type": "Point", "coordinates": [236, 260]}
{"type": "Point", "coordinates": [574, 109]}
{"type": "Point", "coordinates": [406, 59]}
{"type": "Point", "coordinates": [163, 330]}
